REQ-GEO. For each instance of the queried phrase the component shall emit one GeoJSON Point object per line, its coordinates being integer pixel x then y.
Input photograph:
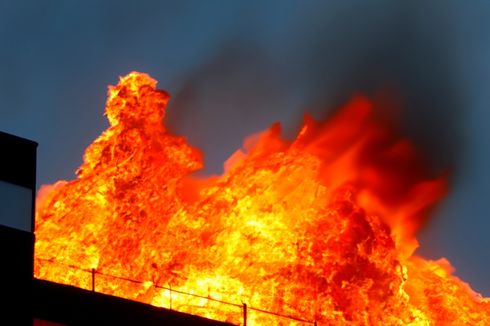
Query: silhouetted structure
{"type": "Point", "coordinates": [68, 305]}
{"type": "Point", "coordinates": [17, 191]}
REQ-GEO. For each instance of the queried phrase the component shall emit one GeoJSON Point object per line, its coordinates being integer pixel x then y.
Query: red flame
{"type": "Point", "coordinates": [321, 228]}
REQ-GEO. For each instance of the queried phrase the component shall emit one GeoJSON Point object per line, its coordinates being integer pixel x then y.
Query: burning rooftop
{"type": "Point", "coordinates": [316, 229]}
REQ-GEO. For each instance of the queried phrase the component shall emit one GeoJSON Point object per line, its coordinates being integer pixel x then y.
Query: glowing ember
{"type": "Point", "coordinates": [320, 228]}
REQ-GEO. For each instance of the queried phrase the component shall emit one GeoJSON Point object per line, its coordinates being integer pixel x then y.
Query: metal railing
{"type": "Point", "coordinates": [245, 309]}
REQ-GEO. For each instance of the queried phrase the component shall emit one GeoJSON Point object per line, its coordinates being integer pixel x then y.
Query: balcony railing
{"type": "Point", "coordinates": [243, 309]}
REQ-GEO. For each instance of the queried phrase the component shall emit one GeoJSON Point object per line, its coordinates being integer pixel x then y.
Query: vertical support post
{"type": "Point", "coordinates": [244, 314]}
{"type": "Point", "coordinates": [93, 279]}
{"type": "Point", "coordinates": [315, 323]}
{"type": "Point", "coordinates": [170, 295]}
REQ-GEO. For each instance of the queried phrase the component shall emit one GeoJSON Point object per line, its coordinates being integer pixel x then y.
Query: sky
{"type": "Point", "coordinates": [235, 67]}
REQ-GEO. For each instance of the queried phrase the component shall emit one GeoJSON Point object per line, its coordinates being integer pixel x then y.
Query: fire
{"type": "Point", "coordinates": [316, 229]}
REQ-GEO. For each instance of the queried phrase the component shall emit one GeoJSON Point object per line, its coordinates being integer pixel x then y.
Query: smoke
{"type": "Point", "coordinates": [275, 71]}
{"type": "Point", "coordinates": [233, 68]}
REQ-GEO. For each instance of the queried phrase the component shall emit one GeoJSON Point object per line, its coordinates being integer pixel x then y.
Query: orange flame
{"type": "Point", "coordinates": [321, 228]}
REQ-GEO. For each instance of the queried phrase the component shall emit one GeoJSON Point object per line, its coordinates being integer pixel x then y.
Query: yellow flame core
{"type": "Point", "coordinates": [320, 228]}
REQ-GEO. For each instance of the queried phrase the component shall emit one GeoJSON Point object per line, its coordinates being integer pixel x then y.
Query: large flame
{"type": "Point", "coordinates": [320, 228]}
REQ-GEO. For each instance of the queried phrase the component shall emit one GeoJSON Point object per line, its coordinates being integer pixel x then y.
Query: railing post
{"type": "Point", "coordinates": [93, 279]}
{"type": "Point", "coordinates": [170, 295]}
{"type": "Point", "coordinates": [244, 314]}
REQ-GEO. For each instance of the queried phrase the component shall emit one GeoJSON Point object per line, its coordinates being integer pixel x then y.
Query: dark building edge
{"type": "Point", "coordinates": [74, 306]}
{"type": "Point", "coordinates": [18, 164]}
{"type": "Point", "coordinates": [16, 251]}
{"type": "Point", "coordinates": [17, 167]}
